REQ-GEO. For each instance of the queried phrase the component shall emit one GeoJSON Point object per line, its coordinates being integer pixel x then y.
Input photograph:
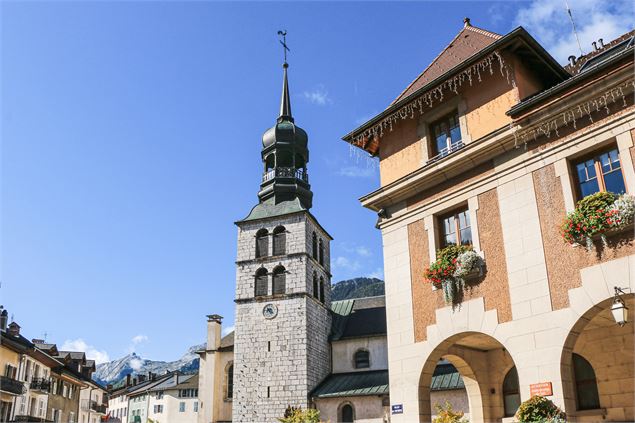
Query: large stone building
{"type": "Point", "coordinates": [490, 147]}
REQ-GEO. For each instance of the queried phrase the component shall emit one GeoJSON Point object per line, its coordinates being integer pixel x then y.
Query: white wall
{"type": "Point", "coordinates": [344, 350]}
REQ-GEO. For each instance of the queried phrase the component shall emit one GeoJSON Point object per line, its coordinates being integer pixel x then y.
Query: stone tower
{"type": "Point", "coordinates": [281, 348]}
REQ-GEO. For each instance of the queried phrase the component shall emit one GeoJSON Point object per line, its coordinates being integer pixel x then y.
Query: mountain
{"type": "Point", "coordinates": [116, 370]}
{"type": "Point", "coordinates": [357, 288]}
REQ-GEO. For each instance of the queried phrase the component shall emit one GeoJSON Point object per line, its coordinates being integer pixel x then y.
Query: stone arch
{"type": "Point", "coordinates": [482, 362]}
{"type": "Point", "coordinates": [341, 410]}
{"type": "Point", "coordinates": [595, 336]}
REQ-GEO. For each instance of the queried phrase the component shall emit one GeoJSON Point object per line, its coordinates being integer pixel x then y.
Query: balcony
{"type": "Point", "coordinates": [40, 384]}
{"type": "Point", "coordinates": [447, 151]}
{"type": "Point", "coordinates": [94, 406]}
{"type": "Point", "coordinates": [24, 418]}
{"type": "Point", "coordinates": [286, 172]}
{"type": "Point", "coordinates": [11, 386]}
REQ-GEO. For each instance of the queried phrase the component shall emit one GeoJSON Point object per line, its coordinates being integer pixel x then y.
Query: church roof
{"type": "Point", "coordinates": [446, 377]}
{"type": "Point", "coordinates": [468, 42]}
{"type": "Point", "coordinates": [358, 317]}
{"type": "Point", "coordinates": [353, 384]}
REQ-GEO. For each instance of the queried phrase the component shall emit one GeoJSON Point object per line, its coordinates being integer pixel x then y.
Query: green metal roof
{"type": "Point", "coordinates": [353, 384]}
{"type": "Point", "coordinates": [266, 210]}
{"type": "Point", "coordinates": [445, 378]}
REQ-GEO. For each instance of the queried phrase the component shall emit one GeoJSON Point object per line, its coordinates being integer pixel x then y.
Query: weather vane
{"type": "Point", "coordinates": [283, 41]}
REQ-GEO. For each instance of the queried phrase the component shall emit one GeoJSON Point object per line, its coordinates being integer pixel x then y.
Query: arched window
{"type": "Point", "coordinates": [362, 359]}
{"type": "Point", "coordinates": [314, 246]}
{"type": "Point", "coordinates": [321, 289]}
{"type": "Point", "coordinates": [262, 243]}
{"type": "Point", "coordinates": [261, 282]}
{"type": "Point", "coordinates": [279, 241]}
{"type": "Point", "coordinates": [511, 392]}
{"type": "Point", "coordinates": [347, 414]}
{"type": "Point", "coordinates": [586, 387]}
{"type": "Point", "coordinates": [316, 292]}
{"type": "Point", "coordinates": [321, 259]}
{"type": "Point", "coordinates": [230, 381]}
{"type": "Point", "coordinates": [279, 280]}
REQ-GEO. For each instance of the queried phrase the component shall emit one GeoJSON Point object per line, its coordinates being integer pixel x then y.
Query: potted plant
{"type": "Point", "coordinates": [597, 215]}
{"type": "Point", "coordinates": [455, 264]}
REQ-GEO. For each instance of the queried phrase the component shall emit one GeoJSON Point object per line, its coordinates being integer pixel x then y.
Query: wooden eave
{"type": "Point", "coordinates": [516, 39]}
{"type": "Point", "coordinates": [484, 149]}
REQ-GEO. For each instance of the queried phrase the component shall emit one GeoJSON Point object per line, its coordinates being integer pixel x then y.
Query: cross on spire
{"type": "Point", "coordinates": [283, 41]}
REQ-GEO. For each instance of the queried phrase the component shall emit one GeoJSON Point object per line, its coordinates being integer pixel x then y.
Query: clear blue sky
{"type": "Point", "coordinates": [131, 140]}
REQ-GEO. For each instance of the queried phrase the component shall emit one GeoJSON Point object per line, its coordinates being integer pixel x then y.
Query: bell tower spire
{"type": "Point", "coordinates": [285, 101]}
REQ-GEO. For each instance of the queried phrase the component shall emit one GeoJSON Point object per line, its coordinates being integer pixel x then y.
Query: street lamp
{"type": "Point", "coordinates": [619, 309]}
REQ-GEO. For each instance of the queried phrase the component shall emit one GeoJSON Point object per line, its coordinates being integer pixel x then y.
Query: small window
{"type": "Point", "coordinates": [511, 392]}
{"type": "Point", "coordinates": [279, 240]}
{"type": "Point", "coordinates": [586, 387]}
{"type": "Point", "coordinates": [196, 406]}
{"type": "Point", "coordinates": [314, 245]}
{"type": "Point", "coordinates": [321, 258]}
{"type": "Point", "coordinates": [262, 243]}
{"type": "Point", "coordinates": [321, 289]}
{"type": "Point", "coordinates": [600, 172]}
{"type": "Point", "coordinates": [261, 282]}
{"type": "Point", "coordinates": [230, 382]}
{"type": "Point", "coordinates": [347, 414]}
{"type": "Point", "coordinates": [316, 292]}
{"type": "Point", "coordinates": [362, 359]}
{"type": "Point", "coordinates": [279, 280]}
{"type": "Point", "coordinates": [182, 407]}
{"type": "Point", "coordinates": [447, 134]}
{"type": "Point", "coordinates": [455, 228]}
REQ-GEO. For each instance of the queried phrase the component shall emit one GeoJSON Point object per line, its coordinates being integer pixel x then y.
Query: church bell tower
{"type": "Point", "coordinates": [281, 348]}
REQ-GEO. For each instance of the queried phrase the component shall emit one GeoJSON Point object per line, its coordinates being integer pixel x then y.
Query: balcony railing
{"type": "Point", "coordinates": [24, 418]}
{"type": "Point", "coordinates": [286, 172]}
{"type": "Point", "coordinates": [447, 151]}
{"type": "Point", "coordinates": [40, 384]}
{"type": "Point", "coordinates": [94, 406]}
{"type": "Point", "coordinates": [11, 386]}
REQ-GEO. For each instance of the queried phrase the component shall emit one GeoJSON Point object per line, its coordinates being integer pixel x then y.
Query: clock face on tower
{"type": "Point", "coordinates": [270, 311]}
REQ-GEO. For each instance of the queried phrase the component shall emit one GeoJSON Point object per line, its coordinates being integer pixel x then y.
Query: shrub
{"type": "Point", "coordinates": [539, 409]}
{"type": "Point", "coordinates": [446, 414]}
{"type": "Point", "coordinates": [298, 415]}
{"type": "Point", "coordinates": [595, 215]}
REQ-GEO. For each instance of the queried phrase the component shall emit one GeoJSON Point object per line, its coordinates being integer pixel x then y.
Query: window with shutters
{"type": "Point", "coordinates": [262, 243]}
{"type": "Point", "coordinates": [321, 252]}
{"type": "Point", "coordinates": [261, 282]}
{"type": "Point", "coordinates": [321, 289]}
{"type": "Point", "coordinates": [279, 279]}
{"type": "Point", "coordinates": [279, 241]}
{"type": "Point", "coordinates": [362, 359]}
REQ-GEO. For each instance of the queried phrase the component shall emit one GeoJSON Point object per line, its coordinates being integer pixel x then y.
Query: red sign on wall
{"type": "Point", "coordinates": [543, 389]}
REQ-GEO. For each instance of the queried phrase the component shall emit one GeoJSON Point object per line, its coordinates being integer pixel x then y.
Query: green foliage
{"type": "Point", "coordinates": [357, 288]}
{"type": "Point", "coordinates": [446, 414]}
{"type": "Point", "coordinates": [539, 409]}
{"type": "Point", "coordinates": [593, 215]}
{"type": "Point", "coordinates": [298, 415]}
{"type": "Point", "coordinates": [445, 264]}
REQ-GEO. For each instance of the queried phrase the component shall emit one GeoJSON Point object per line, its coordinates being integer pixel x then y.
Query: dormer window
{"type": "Point", "coordinates": [446, 133]}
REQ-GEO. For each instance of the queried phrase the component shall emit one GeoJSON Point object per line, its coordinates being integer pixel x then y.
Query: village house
{"type": "Point", "coordinates": [481, 158]}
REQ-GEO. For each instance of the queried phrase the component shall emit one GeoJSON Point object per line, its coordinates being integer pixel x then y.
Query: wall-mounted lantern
{"type": "Point", "coordinates": [619, 309]}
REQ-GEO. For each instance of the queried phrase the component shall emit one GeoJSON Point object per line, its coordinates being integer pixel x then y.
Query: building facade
{"type": "Point", "coordinates": [175, 400]}
{"type": "Point", "coordinates": [488, 150]}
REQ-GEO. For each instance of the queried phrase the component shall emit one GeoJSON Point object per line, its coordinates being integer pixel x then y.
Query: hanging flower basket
{"type": "Point", "coordinates": [596, 216]}
{"type": "Point", "coordinates": [454, 266]}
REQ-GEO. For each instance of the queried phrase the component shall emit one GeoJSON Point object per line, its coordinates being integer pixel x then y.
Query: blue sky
{"type": "Point", "coordinates": [131, 140]}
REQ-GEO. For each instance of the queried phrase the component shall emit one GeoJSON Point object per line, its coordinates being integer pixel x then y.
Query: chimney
{"type": "Point", "coordinates": [128, 379]}
{"type": "Point", "coordinates": [601, 41]}
{"type": "Point", "coordinates": [4, 318]}
{"type": "Point", "coordinates": [141, 378]}
{"type": "Point", "coordinates": [14, 329]}
{"type": "Point", "coordinates": [572, 60]}
{"type": "Point", "coordinates": [214, 330]}
{"type": "Point", "coordinates": [134, 381]}
{"type": "Point", "coordinates": [109, 387]}
{"type": "Point", "coordinates": [466, 22]}
{"type": "Point", "coordinates": [595, 46]}
{"type": "Point", "coordinates": [176, 378]}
